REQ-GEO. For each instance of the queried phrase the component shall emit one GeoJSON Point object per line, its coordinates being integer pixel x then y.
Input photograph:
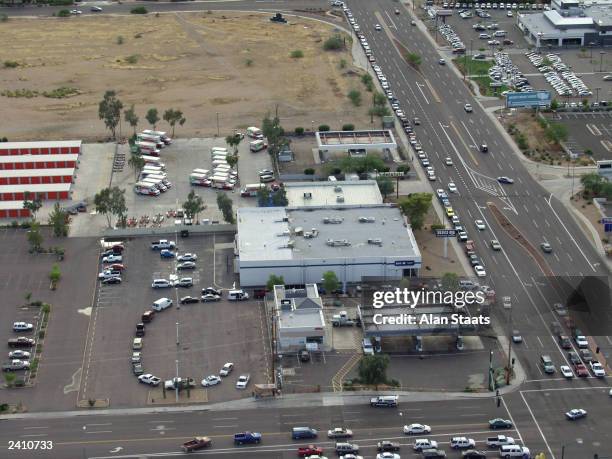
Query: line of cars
{"type": "Point", "coordinates": [505, 72]}
{"type": "Point", "coordinates": [452, 38]}
{"type": "Point", "coordinates": [19, 358]}
{"type": "Point", "coordinates": [567, 84]}
{"type": "Point", "coordinates": [112, 263]}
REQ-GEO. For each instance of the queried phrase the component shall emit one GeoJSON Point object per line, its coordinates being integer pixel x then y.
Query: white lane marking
{"type": "Point", "coordinates": [534, 223]}
{"type": "Point", "coordinates": [540, 341]}
{"type": "Point", "coordinates": [33, 435]}
{"type": "Point", "coordinates": [28, 428]}
{"type": "Point", "coordinates": [424, 96]}
{"type": "Point", "coordinates": [537, 425]}
{"type": "Point", "coordinates": [98, 431]}
{"type": "Point", "coordinates": [569, 234]}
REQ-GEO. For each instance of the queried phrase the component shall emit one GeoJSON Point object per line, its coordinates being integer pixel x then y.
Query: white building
{"type": "Point", "coordinates": [318, 194]}
{"type": "Point", "coordinates": [301, 244]}
{"type": "Point", "coordinates": [299, 319]}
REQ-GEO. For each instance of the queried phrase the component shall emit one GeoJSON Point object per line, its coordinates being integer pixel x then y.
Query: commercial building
{"type": "Point", "coordinates": [303, 243]}
{"type": "Point", "coordinates": [569, 23]}
{"type": "Point", "coordinates": [43, 169]}
{"type": "Point", "coordinates": [344, 193]}
{"type": "Point", "coordinates": [299, 320]}
{"type": "Point", "coordinates": [355, 143]}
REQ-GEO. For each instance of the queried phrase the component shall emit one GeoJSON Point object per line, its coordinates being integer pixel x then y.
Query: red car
{"type": "Point", "coordinates": [116, 267]}
{"type": "Point", "coordinates": [310, 450]}
{"type": "Point", "coordinates": [581, 370]}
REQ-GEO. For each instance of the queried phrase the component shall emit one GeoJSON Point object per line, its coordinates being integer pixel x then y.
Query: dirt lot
{"type": "Point", "coordinates": [236, 65]}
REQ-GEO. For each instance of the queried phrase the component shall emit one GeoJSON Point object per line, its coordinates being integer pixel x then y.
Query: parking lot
{"type": "Point", "coordinates": [588, 131]}
{"type": "Point", "coordinates": [199, 338]}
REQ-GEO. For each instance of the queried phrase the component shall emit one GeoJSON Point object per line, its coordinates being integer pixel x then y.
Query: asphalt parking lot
{"type": "Point", "coordinates": [588, 131]}
{"type": "Point", "coordinates": [181, 158]}
{"type": "Point", "coordinates": [209, 334]}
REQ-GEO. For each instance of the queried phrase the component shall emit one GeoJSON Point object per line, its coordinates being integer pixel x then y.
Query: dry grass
{"type": "Point", "coordinates": [194, 62]}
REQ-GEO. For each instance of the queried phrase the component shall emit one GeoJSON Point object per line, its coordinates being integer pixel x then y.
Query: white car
{"type": "Point", "coordinates": [509, 14]}
{"type": "Point", "coordinates": [576, 413]}
{"type": "Point", "coordinates": [227, 369]}
{"type": "Point", "coordinates": [448, 161]}
{"type": "Point", "coordinates": [566, 371]}
{"type": "Point", "coordinates": [480, 225]}
{"type": "Point", "coordinates": [414, 429]}
{"type": "Point", "coordinates": [187, 257]}
{"type": "Point", "coordinates": [211, 380]}
{"type": "Point", "coordinates": [149, 379]}
{"type": "Point", "coordinates": [19, 354]}
{"type": "Point", "coordinates": [378, 27]}
{"type": "Point", "coordinates": [22, 326]}
{"type": "Point", "coordinates": [582, 342]}
{"type": "Point", "coordinates": [452, 187]}
{"type": "Point", "coordinates": [339, 432]}
{"type": "Point", "coordinates": [243, 381]}
{"type": "Point", "coordinates": [112, 259]}
{"type": "Point", "coordinates": [468, 108]}
{"type": "Point", "coordinates": [208, 297]}
{"type": "Point", "coordinates": [76, 12]}
{"type": "Point", "coordinates": [480, 271]}
{"type": "Point", "coordinates": [597, 369]}
{"type": "Point", "coordinates": [387, 455]}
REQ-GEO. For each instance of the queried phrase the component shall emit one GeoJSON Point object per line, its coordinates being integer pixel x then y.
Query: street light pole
{"type": "Point", "coordinates": [508, 367]}
{"type": "Point", "coordinates": [601, 55]}
{"type": "Point", "coordinates": [597, 94]}
{"type": "Point", "coordinates": [176, 386]}
{"type": "Point", "coordinates": [490, 370]}
{"type": "Point", "coordinates": [177, 333]}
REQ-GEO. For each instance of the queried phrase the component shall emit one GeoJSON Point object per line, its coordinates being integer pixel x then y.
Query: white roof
{"type": "Point", "coordinates": [11, 205]}
{"type": "Point", "coordinates": [36, 172]}
{"type": "Point", "coordinates": [44, 144]}
{"type": "Point", "coordinates": [560, 21]}
{"type": "Point", "coordinates": [38, 188]}
{"type": "Point", "coordinates": [326, 193]}
{"type": "Point", "coordinates": [38, 158]}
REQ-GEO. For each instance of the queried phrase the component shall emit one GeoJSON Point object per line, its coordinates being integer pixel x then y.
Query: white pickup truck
{"type": "Point", "coordinates": [500, 440]}
{"type": "Point", "coordinates": [162, 244]}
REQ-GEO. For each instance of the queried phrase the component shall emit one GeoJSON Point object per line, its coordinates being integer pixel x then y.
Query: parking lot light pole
{"type": "Point", "coordinates": [597, 94]}
{"type": "Point", "coordinates": [177, 333]}
{"type": "Point", "coordinates": [176, 386]}
{"type": "Point", "coordinates": [601, 55]}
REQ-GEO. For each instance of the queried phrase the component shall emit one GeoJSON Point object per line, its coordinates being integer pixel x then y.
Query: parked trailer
{"type": "Point", "coordinates": [148, 148]}
{"type": "Point", "coordinates": [201, 171]}
{"type": "Point", "coordinates": [157, 183]}
{"type": "Point", "coordinates": [163, 179]}
{"type": "Point", "coordinates": [257, 145]}
{"type": "Point", "coordinates": [147, 189]}
{"type": "Point", "coordinates": [146, 171]}
{"type": "Point", "coordinates": [153, 160]}
{"type": "Point", "coordinates": [199, 179]}
{"type": "Point", "coordinates": [219, 156]}
{"type": "Point", "coordinates": [252, 189]}
{"type": "Point", "coordinates": [167, 140]}
{"type": "Point", "coordinates": [151, 138]}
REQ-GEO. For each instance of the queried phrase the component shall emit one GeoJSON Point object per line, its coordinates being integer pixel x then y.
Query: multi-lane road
{"type": "Point", "coordinates": [436, 95]}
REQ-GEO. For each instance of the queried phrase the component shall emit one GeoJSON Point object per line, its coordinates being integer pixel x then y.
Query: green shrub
{"type": "Point", "coordinates": [11, 64]}
{"type": "Point", "coordinates": [403, 168]}
{"type": "Point", "coordinates": [343, 63]}
{"type": "Point", "coordinates": [297, 54]}
{"type": "Point", "coordinates": [323, 128]}
{"type": "Point", "coordinates": [299, 131]}
{"type": "Point", "coordinates": [348, 127]}
{"type": "Point", "coordinates": [437, 226]}
{"type": "Point", "coordinates": [63, 13]}
{"type": "Point", "coordinates": [120, 40]}
{"type": "Point", "coordinates": [333, 43]}
{"type": "Point", "coordinates": [139, 10]}
{"type": "Point", "coordinates": [355, 97]}
{"type": "Point", "coordinates": [309, 171]}
{"type": "Point", "coordinates": [61, 93]}
{"type": "Point", "coordinates": [41, 334]}
{"type": "Point", "coordinates": [132, 59]}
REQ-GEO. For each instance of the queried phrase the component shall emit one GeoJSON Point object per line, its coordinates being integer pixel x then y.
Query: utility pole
{"type": "Point", "coordinates": [176, 386]}
{"type": "Point", "coordinates": [601, 55]}
{"type": "Point", "coordinates": [217, 124]}
{"type": "Point", "coordinates": [509, 365]}
{"type": "Point", "coordinates": [490, 370]}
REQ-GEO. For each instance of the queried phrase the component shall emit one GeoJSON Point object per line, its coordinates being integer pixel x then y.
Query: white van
{"type": "Point", "coordinates": [161, 283]}
{"type": "Point", "coordinates": [499, 33]}
{"type": "Point", "coordinates": [507, 451]}
{"type": "Point", "coordinates": [254, 133]}
{"type": "Point", "coordinates": [257, 145]}
{"type": "Point", "coordinates": [161, 304]}
{"type": "Point", "coordinates": [237, 295]}
{"type": "Point", "coordinates": [366, 344]}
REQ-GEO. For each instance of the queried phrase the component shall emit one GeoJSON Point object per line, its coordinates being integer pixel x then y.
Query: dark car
{"type": "Point", "coordinates": [499, 423]}
{"type": "Point", "coordinates": [21, 342]}
{"type": "Point", "coordinates": [573, 357]}
{"type": "Point", "coordinates": [112, 280]}
{"type": "Point", "coordinates": [484, 148]}
{"type": "Point", "coordinates": [140, 329]}
{"type": "Point", "coordinates": [387, 445]}
{"type": "Point", "coordinates": [211, 290]}
{"type": "Point", "coordinates": [586, 355]}
{"type": "Point", "coordinates": [473, 454]}
{"type": "Point", "coordinates": [189, 300]}
{"type": "Point", "coordinates": [565, 342]}
{"type": "Point", "coordinates": [147, 316]}
{"type": "Point", "coordinates": [304, 356]}
{"type": "Point", "coordinates": [137, 369]}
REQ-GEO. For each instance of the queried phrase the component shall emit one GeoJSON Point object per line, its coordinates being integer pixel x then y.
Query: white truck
{"type": "Point", "coordinates": [147, 189]}
{"type": "Point", "coordinates": [162, 244]}
{"type": "Point", "coordinates": [151, 138]}
{"type": "Point", "coordinates": [162, 135]}
{"type": "Point", "coordinates": [499, 440]}
{"type": "Point", "coordinates": [148, 148]}
{"type": "Point", "coordinates": [342, 320]}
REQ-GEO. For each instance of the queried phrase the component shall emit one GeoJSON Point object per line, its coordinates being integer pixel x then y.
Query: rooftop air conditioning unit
{"type": "Point", "coordinates": [307, 195]}
{"type": "Point", "coordinates": [338, 188]}
{"type": "Point", "coordinates": [367, 220]}
{"type": "Point", "coordinates": [377, 242]}
{"type": "Point", "coordinates": [298, 230]}
{"type": "Point", "coordinates": [340, 198]}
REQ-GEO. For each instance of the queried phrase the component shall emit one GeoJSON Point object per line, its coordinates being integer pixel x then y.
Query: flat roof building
{"type": "Point", "coordinates": [303, 243]}
{"type": "Point", "coordinates": [331, 144]}
{"type": "Point", "coordinates": [344, 193]}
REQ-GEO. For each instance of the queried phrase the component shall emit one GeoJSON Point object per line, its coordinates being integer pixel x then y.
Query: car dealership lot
{"type": "Point", "coordinates": [209, 334]}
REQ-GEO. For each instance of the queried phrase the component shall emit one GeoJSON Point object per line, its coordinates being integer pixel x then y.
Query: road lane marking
{"type": "Point", "coordinates": [34, 435]}
{"type": "Point", "coordinates": [29, 428]}
{"type": "Point", "coordinates": [98, 431]}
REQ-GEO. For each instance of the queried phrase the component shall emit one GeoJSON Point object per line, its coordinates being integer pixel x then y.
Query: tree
{"type": "Point", "coordinates": [136, 163]}
{"type": "Point", "coordinates": [413, 59]}
{"type": "Point", "coordinates": [263, 197]}
{"type": "Point", "coordinates": [55, 275]}
{"type": "Point", "coordinates": [386, 186]}
{"type": "Point", "coordinates": [58, 219]}
{"type": "Point", "coordinates": [556, 133]}
{"type": "Point", "coordinates": [172, 117]}
{"type": "Point", "coordinates": [232, 160]}
{"type": "Point", "coordinates": [109, 110]}
{"type": "Point", "coordinates": [554, 105]}
{"type": "Point", "coordinates": [355, 97]}
{"type": "Point", "coordinates": [234, 141]}
{"type": "Point", "coordinates": [274, 280]}
{"type": "Point", "coordinates": [279, 198]}
{"type": "Point", "coordinates": [373, 369]}
{"type": "Point", "coordinates": [225, 206]}
{"type": "Point", "coordinates": [194, 205]}
{"type": "Point", "coordinates": [274, 132]}
{"type": "Point", "coordinates": [379, 99]}
{"type": "Point", "coordinates": [111, 202]}
{"type": "Point", "coordinates": [450, 282]}
{"type": "Point", "coordinates": [131, 117]}
{"type": "Point", "coordinates": [415, 207]}
{"type": "Point", "coordinates": [33, 205]}
{"type": "Point", "coordinates": [9, 379]}
{"type": "Point", "coordinates": [330, 281]}
{"type": "Point", "coordinates": [593, 183]}
{"type": "Point", "coordinates": [333, 43]}
{"type": "Point", "coordinates": [35, 237]}
{"type": "Point", "coordinates": [152, 117]}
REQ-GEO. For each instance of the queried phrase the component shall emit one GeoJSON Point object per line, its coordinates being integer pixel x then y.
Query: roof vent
{"type": "Point", "coordinates": [367, 220]}
{"type": "Point", "coordinates": [337, 188]}
{"type": "Point", "coordinates": [311, 234]}
{"type": "Point", "coordinates": [298, 230]}
{"type": "Point", "coordinates": [333, 220]}
{"type": "Point", "coordinates": [339, 198]}
{"type": "Point", "coordinates": [307, 195]}
{"type": "Point", "coordinates": [338, 243]}
{"type": "Point", "coordinates": [377, 242]}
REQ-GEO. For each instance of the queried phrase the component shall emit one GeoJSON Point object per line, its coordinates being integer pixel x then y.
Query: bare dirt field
{"type": "Point", "coordinates": [235, 64]}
